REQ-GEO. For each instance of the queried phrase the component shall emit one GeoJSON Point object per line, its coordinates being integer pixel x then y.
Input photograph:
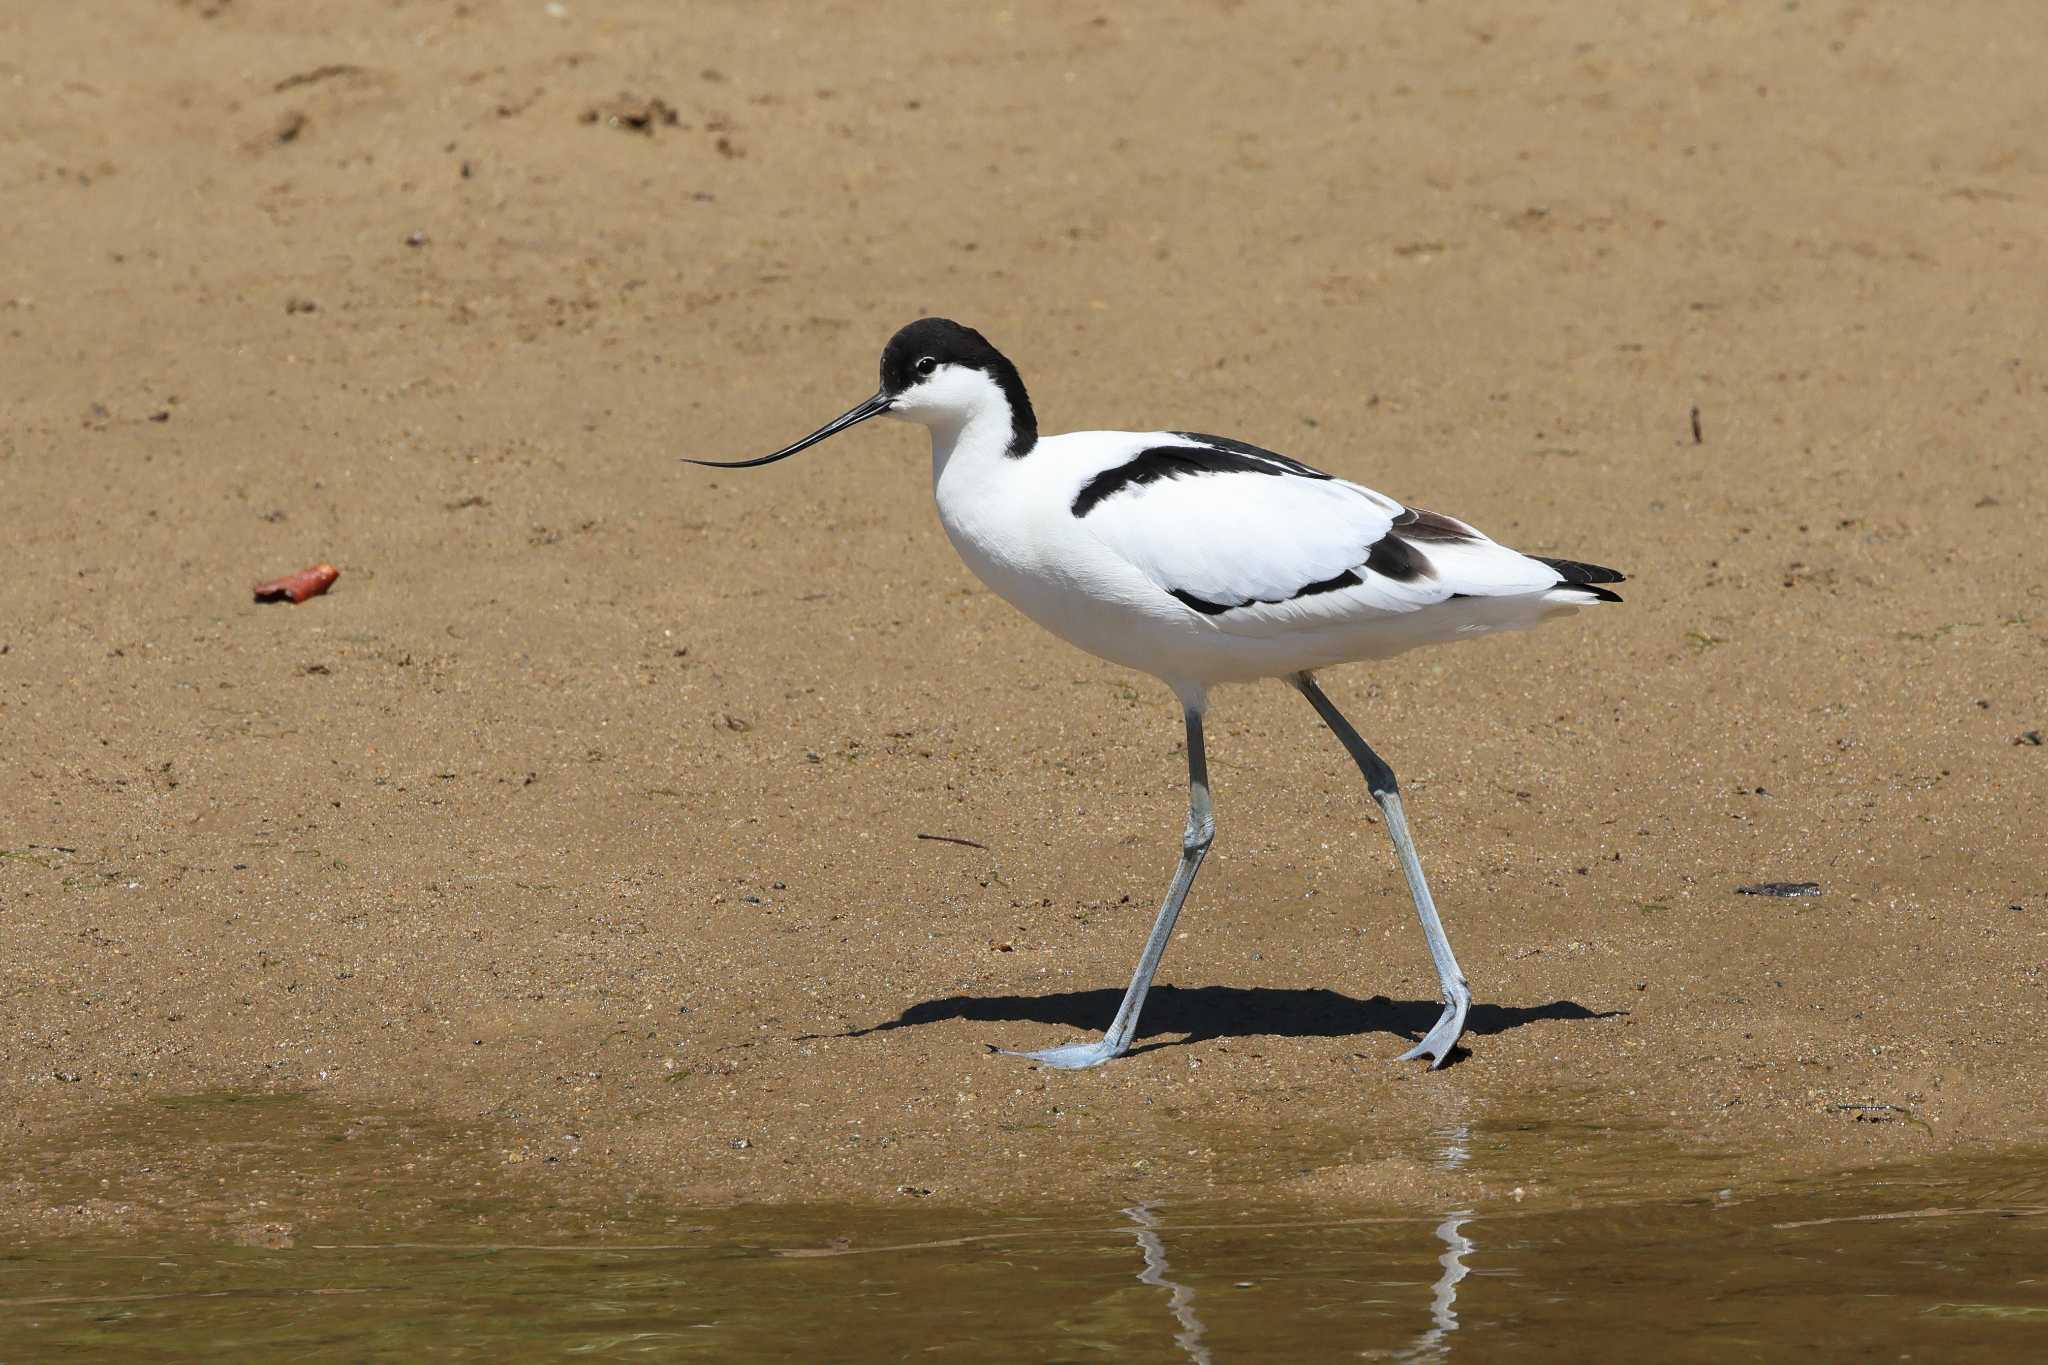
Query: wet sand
{"type": "Point", "coordinates": [586, 812]}
{"type": "Point", "coordinates": [335, 1236]}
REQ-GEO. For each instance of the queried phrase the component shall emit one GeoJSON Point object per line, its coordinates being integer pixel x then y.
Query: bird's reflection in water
{"type": "Point", "coordinates": [1434, 1344]}
{"type": "Point", "coordinates": [1180, 1299]}
{"type": "Point", "coordinates": [1457, 1148]}
{"type": "Point", "coordinates": [1431, 1344]}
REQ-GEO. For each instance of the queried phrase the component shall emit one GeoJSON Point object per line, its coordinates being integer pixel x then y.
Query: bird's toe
{"type": "Point", "coordinates": [1442, 1039]}
{"type": "Point", "coordinates": [1072, 1057]}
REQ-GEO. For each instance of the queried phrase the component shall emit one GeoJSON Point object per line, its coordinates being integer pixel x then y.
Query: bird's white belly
{"type": "Point", "coordinates": [1072, 585]}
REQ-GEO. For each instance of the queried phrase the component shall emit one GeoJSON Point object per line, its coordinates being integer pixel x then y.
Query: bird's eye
{"type": "Point", "coordinates": [926, 364]}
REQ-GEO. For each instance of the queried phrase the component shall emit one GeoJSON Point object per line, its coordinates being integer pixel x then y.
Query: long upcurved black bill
{"type": "Point", "coordinates": [874, 407]}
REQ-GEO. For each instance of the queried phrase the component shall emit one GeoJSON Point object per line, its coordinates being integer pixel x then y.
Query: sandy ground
{"type": "Point", "coordinates": [586, 812]}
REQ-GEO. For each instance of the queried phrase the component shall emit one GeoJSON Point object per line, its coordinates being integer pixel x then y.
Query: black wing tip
{"type": "Point", "coordinates": [1593, 592]}
{"type": "Point", "coordinates": [1580, 574]}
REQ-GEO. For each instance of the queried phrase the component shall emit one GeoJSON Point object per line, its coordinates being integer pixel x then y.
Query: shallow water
{"type": "Point", "coordinates": [396, 1256]}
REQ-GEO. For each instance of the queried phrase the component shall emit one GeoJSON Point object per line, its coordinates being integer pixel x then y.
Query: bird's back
{"type": "Point", "coordinates": [1185, 554]}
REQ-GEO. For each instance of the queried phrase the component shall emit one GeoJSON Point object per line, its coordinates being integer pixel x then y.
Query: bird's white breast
{"type": "Point", "coordinates": [1011, 521]}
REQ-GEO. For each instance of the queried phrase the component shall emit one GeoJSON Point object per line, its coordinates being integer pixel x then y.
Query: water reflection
{"type": "Point", "coordinates": [1180, 1299]}
{"type": "Point", "coordinates": [408, 1249]}
{"type": "Point", "coordinates": [1429, 1345]}
{"type": "Point", "coordinates": [1443, 1315]}
{"type": "Point", "coordinates": [1457, 1148]}
{"type": "Point", "coordinates": [1433, 1344]}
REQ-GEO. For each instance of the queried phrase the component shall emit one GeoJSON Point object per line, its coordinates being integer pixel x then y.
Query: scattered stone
{"type": "Point", "coordinates": [1786, 890]}
{"type": "Point", "coordinates": [2032, 737]}
{"type": "Point", "coordinates": [299, 305]}
{"type": "Point", "coordinates": [631, 114]}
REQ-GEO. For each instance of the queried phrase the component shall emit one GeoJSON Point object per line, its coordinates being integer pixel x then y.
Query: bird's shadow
{"type": "Point", "coordinates": [1208, 1012]}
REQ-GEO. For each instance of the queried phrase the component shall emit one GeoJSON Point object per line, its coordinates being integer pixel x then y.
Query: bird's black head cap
{"type": "Point", "coordinates": [921, 347]}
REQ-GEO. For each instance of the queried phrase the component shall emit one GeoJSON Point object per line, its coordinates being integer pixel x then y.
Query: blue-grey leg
{"type": "Point", "coordinates": [1379, 780]}
{"type": "Point", "coordinates": [1195, 841]}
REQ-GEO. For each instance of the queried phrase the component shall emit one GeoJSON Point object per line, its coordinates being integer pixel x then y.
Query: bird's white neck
{"type": "Point", "coordinates": [976, 434]}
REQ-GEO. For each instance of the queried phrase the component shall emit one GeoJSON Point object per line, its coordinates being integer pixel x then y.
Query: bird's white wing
{"type": "Point", "coordinates": [1231, 538]}
{"type": "Point", "coordinates": [1254, 540]}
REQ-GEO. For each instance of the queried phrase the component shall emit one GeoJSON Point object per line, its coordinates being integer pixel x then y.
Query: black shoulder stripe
{"type": "Point", "coordinates": [1251, 451]}
{"type": "Point", "coordinates": [1215, 455]}
{"type": "Point", "coordinates": [1579, 574]}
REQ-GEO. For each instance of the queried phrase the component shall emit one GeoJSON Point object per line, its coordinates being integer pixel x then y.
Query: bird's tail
{"type": "Point", "coordinates": [1582, 581]}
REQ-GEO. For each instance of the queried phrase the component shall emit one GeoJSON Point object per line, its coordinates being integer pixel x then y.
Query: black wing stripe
{"type": "Point", "coordinates": [1337, 582]}
{"type": "Point", "coordinates": [1205, 607]}
{"type": "Point", "coordinates": [1420, 526]}
{"type": "Point", "coordinates": [1392, 557]}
